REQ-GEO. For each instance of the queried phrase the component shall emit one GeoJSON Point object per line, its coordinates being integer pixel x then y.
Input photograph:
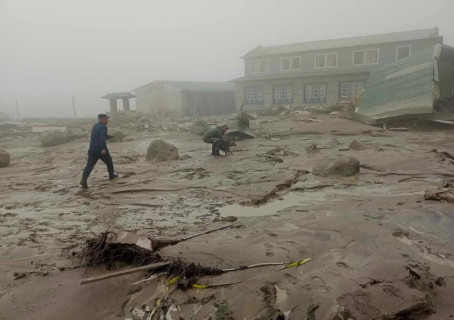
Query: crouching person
{"type": "Point", "coordinates": [213, 136]}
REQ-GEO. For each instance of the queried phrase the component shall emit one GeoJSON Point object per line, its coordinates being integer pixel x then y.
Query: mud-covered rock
{"type": "Point", "coordinates": [5, 159]}
{"type": "Point", "coordinates": [159, 150]}
{"type": "Point", "coordinates": [54, 138]}
{"type": "Point", "coordinates": [117, 136]}
{"type": "Point", "coordinates": [343, 166]}
{"type": "Point", "coordinates": [199, 127]}
{"type": "Point", "coordinates": [356, 145]}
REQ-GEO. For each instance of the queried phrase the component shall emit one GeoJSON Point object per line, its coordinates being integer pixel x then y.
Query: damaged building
{"type": "Point", "coordinates": [186, 97]}
{"type": "Point", "coordinates": [420, 86]}
{"type": "Point", "coordinates": [322, 72]}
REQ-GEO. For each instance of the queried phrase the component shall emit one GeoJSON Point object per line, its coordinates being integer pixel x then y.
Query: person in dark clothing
{"type": "Point", "coordinates": [213, 136]}
{"type": "Point", "coordinates": [98, 150]}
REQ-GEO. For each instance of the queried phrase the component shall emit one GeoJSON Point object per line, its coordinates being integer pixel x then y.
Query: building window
{"type": "Point", "coordinates": [283, 94]}
{"type": "Point", "coordinates": [327, 60]}
{"type": "Point", "coordinates": [364, 57]}
{"type": "Point", "coordinates": [350, 89]}
{"type": "Point", "coordinates": [254, 95]}
{"type": "Point", "coordinates": [290, 63]}
{"type": "Point", "coordinates": [403, 52]}
{"type": "Point", "coordinates": [315, 92]}
{"type": "Point", "coordinates": [259, 66]}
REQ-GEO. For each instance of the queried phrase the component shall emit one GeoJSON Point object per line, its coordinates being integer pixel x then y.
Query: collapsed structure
{"type": "Point", "coordinates": [420, 86]}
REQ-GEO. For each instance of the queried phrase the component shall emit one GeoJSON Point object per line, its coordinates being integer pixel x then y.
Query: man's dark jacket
{"type": "Point", "coordinates": [98, 138]}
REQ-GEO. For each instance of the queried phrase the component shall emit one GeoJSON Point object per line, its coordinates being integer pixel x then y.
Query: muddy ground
{"type": "Point", "coordinates": [378, 249]}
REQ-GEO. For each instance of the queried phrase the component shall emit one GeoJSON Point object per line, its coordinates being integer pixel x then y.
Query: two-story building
{"type": "Point", "coordinates": [321, 72]}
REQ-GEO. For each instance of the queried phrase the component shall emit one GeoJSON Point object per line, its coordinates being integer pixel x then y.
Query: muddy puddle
{"type": "Point", "coordinates": [291, 199]}
{"type": "Point", "coordinates": [307, 198]}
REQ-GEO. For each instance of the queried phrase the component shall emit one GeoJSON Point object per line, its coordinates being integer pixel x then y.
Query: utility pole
{"type": "Point", "coordinates": [17, 109]}
{"type": "Point", "coordinates": [74, 108]}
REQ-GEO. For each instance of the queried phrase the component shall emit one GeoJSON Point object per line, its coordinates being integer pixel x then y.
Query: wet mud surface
{"type": "Point", "coordinates": [378, 249]}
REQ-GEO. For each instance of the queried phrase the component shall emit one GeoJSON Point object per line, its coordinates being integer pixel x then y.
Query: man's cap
{"type": "Point", "coordinates": [103, 115]}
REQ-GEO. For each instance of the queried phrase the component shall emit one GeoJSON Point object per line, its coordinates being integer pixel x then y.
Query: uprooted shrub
{"type": "Point", "coordinates": [97, 251]}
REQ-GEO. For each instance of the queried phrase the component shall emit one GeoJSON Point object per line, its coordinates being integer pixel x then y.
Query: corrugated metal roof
{"type": "Point", "coordinates": [118, 95]}
{"type": "Point", "coordinates": [402, 88]}
{"type": "Point", "coordinates": [195, 85]}
{"type": "Point", "coordinates": [344, 42]}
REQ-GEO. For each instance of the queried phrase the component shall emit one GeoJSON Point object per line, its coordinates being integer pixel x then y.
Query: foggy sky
{"type": "Point", "coordinates": [51, 50]}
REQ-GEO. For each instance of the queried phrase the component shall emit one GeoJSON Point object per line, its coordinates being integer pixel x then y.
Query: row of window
{"type": "Point", "coordinates": [313, 92]}
{"type": "Point", "coordinates": [328, 60]}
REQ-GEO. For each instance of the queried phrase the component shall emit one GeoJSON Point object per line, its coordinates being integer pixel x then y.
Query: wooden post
{"type": "Point", "coordinates": [74, 108]}
{"type": "Point", "coordinates": [113, 110]}
{"type": "Point", "coordinates": [17, 109]}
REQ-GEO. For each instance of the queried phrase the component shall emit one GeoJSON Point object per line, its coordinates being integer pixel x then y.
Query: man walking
{"type": "Point", "coordinates": [213, 136]}
{"type": "Point", "coordinates": [98, 150]}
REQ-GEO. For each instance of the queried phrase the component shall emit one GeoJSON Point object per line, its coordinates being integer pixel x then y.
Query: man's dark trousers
{"type": "Point", "coordinates": [93, 158]}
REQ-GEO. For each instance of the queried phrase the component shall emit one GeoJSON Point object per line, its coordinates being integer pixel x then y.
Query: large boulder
{"type": "Point", "coordinates": [343, 166]}
{"type": "Point", "coordinates": [5, 159]}
{"type": "Point", "coordinates": [199, 127]}
{"type": "Point", "coordinates": [117, 136]}
{"type": "Point", "coordinates": [356, 145]}
{"type": "Point", "coordinates": [54, 138]}
{"type": "Point", "coordinates": [159, 150]}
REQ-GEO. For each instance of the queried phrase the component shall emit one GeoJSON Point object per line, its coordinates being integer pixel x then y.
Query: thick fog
{"type": "Point", "coordinates": [52, 50]}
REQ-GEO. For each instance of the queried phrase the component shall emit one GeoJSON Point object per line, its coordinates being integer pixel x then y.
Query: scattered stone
{"type": "Point", "coordinates": [138, 313]}
{"type": "Point", "coordinates": [275, 139]}
{"type": "Point", "coordinates": [441, 282]}
{"type": "Point", "coordinates": [128, 139]}
{"type": "Point", "coordinates": [225, 219]}
{"type": "Point", "coordinates": [312, 148]}
{"type": "Point", "coordinates": [343, 166]}
{"type": "Point", "coordinates": [5, 159]}
{"type": "Point", "coordinates": [356, 145]}
{"type": "Point", "coordinates": [159, 150]}
{"type": "Point", "coordinates": [199, 127]}
{"type": "Point", "coordinates": [117, 136]}
{"type": "Point", "coordinates": [334, 142]}
{"type": "Point", "coordinates": [185, 157]}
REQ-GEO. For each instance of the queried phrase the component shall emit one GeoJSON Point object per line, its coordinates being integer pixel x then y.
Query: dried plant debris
{"type": "Point", "coordinates": [184, 275]}
{"type": "Point", "coordinates": [223, 311]}
{"type": "Point", "coordinates": [98, 251]}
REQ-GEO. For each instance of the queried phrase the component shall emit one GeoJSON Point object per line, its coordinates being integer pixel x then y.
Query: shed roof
{"type": "Point", "coordinates": [194, 85]}
{"type": "Point", "coordinates": [344, 42]}
{"type": "Point", "coordinates": [118, 95]}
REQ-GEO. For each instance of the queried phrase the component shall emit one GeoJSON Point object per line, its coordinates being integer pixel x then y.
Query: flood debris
{"type": "Point", "coordinates": [5, 159]}
{"type": "Point", "coordinates": [341, 166]}
{"type": "Point", "coordinates": [223, 311]}
{"type": "Point", "coordinates": [444, 193]}
{"type": "Point", "coordinates": [273, 194]}
{"type": "Point", "coordinates": [413, 88]}
{"type": "Point", "coordinates": [271, 312]}
{"type": "Point", "coordinates": [113, 251]}
{"type": "Point", "coordinates": [159, 150]}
